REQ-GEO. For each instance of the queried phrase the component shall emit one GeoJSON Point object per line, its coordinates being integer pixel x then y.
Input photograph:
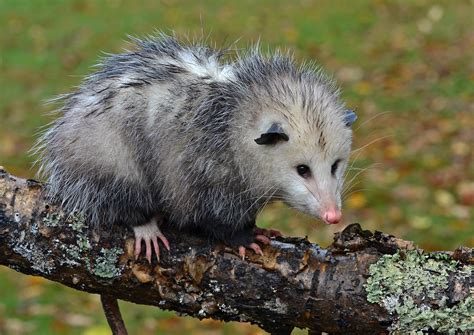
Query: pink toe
{"type": "Point", "coordinates": [256, 248]}
{"type": "Point", "coordinates": [156, 247]}
{"type": "Point", "coordinates": [242, 252]}
{"type": "Point", "coordinates": [165, 241]}
{"type": "Point", "coordinates": [274, 233]}
{"type": "Point", "coordinates": [148, 250]}
{"type": "Point", "coordinates": [263, 239]}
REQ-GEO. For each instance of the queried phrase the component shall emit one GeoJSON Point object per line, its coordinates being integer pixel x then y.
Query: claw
{"type": "Point", "coordinates": [242, 252]}
{"type": "Point", "coordinates": [156, 247]}
{"type": "Point", "coordinates": [148, 250]}
{"type": "Point", "coordinates": [164, 240]}
{"type": "Point", "coordinates": [256, 248]}
{"type": "Point", "coordinates": [261, 235]}
{"type": "Point", "coordinates": [150, 233]}
{"type": "Point", "coordinates": [138, 247]}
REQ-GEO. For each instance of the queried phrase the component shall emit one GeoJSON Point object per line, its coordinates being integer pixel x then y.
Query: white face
{"type": "Point", "coordinates": [313, 185]}
{"type": "Point", "coordinates": [306, 166]}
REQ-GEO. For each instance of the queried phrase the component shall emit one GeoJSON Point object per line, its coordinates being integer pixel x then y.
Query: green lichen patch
{"type": "Point", "coordinates": [83, 242]}
{"type": "Point", "coordinates": [410, 285]}
{"type": "Point", "coordinates": [105, 266]}
{"type": "Point", "coordinates": [73, 253]}
{"type": "Point", "coordinates": [40, 260]}
{"type": "Point", "coordinates": [52, 219]}
{"type": "Point", "coordinates": [77, 221]}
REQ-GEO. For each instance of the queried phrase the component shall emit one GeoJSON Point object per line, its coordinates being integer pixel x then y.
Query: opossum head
{"type": "Point", "coordinates": [304, 164]}
{"type": "Point", "coordinates": [298, 143]}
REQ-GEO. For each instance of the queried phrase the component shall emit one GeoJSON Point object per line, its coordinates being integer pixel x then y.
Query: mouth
{"type": "Point", "coordinates": [330, 223]}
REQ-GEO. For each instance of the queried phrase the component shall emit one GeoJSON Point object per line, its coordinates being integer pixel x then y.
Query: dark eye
{"type": "Point", "coordinates": [303, 171]}
{"type": "Point", "coordinates": [334, 167]}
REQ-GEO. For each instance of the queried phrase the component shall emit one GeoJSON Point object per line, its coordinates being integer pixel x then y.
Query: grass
{"type": "Point", "coordinates": [405, 66]}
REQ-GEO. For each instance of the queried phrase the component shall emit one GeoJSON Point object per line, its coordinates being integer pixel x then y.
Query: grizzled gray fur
{"type": "Point", "coordinates": [172, 128]}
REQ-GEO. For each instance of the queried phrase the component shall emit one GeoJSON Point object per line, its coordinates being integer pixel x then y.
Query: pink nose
{"type": "Point", "coordinates": [332, 216]}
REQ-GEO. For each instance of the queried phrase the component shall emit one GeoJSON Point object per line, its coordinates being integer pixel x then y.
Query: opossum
{"type": "Point", "coordinates": [181, 132]}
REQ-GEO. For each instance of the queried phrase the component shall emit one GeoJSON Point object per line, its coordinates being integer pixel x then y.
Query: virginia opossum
{"type": "Point", "coordinates": [173, 131]}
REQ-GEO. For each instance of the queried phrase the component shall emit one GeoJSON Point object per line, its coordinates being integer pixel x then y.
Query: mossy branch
{"type": "Point", "coordinates": [364, 283]}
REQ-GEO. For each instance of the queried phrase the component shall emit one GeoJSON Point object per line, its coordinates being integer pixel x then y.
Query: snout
{"type": "Point", "coordinates": [332, 216]}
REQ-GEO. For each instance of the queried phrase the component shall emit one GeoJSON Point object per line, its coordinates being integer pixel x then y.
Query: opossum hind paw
{"type": "Point", "coordinates": [149, 233]}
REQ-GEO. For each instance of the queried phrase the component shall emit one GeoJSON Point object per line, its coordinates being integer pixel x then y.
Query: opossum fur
{"type": "Point", "coordinates": [171, 128]}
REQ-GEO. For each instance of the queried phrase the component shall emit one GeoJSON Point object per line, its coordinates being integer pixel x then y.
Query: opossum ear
{"type": "Point", "coordinates": [350, 117]}
{"type": "Point", "coordinates": [274, 134]}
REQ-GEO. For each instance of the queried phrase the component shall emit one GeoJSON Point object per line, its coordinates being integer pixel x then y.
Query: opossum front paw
{"type": "Point", "coordinates": [254, 246]}
{"type": "Point", "coordinates": [266, 232]}
{"type": "Point", "coordinates": [264, 235]}
{"type": "Point", "coordinates": [149, 233]}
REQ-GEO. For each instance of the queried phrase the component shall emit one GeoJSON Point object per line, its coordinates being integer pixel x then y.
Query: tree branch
{"type": "Point", "coordinates": [363, 283]}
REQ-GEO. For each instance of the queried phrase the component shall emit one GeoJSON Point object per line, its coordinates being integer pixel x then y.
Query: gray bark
{"type": "Point", "coordinates": [294, 284]}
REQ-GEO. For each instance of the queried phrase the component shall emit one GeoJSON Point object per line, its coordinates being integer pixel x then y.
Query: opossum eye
{"type": "Point", "coordinates": [303, 171]}
{"type": "Point", "coordinates": [334, 167]}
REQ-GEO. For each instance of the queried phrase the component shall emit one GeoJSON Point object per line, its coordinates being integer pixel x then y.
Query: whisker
{"type": "Point", "coordinates": [353, 192]}
{"type": "Point", "coordinates": [255, 202]}
{"type": "Point", "coordinates": [370, 143]}
{"type": "Point", "coordinates": [350, 187]}
{"type": "Point", "coordinates": [372, 118]}
{"type": "Point", "coordinates": [358, 173]}
{"type": "Point", "coordinates": [370, 167]}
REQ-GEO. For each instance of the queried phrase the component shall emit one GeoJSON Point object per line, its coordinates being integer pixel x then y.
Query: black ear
{"type": "Point", "coordinates": [350, 117]}
{"type": "Point", "coordinates": [274, 134]}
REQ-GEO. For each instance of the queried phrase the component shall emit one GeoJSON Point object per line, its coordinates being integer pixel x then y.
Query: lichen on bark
{"type": "Point", "coordinates": [293, 284]}
{"type": "Point", "coordinates": [409, 283]}
{"type": "Point", "coordinates": [105, 266]}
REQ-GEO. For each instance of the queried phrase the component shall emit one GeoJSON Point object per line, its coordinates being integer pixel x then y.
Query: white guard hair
{"type": "Point", "coordinates": [170, 128]}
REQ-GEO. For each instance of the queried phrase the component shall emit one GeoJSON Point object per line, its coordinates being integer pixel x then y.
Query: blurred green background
{"type": "Point", "coordinates": [407, 67]}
